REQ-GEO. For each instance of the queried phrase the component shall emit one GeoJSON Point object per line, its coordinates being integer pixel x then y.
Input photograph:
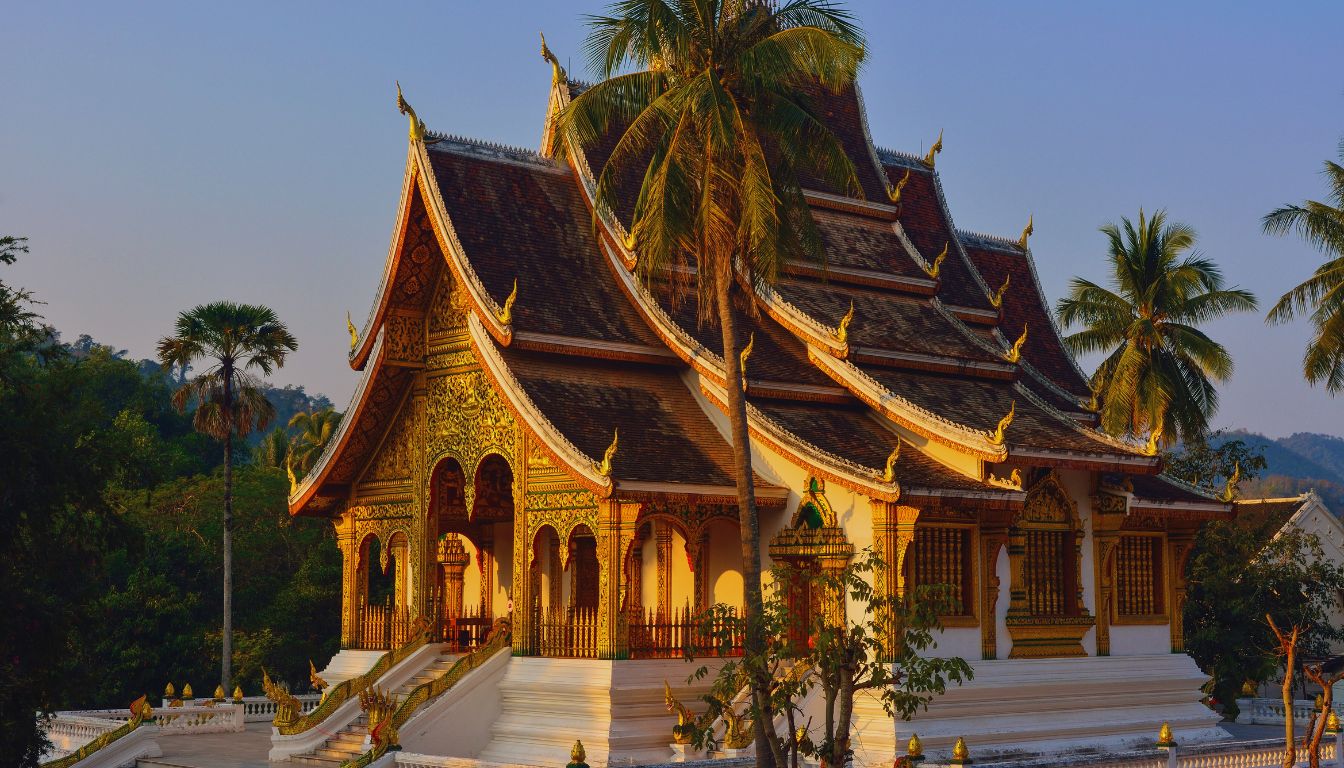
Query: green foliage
{"type": "Point", "coordinates": [314, 430]}
{"type": "Point", "coordinates": [1321, 225]}
{"type": "Point", "coordinates": [1210, 462]}
{"type": "Point", "coordinates": [1240, 571]}
{"type": "Point", "coordinates": [1160, 369]}
{"type": "Point", "coordinates": [862, 640]}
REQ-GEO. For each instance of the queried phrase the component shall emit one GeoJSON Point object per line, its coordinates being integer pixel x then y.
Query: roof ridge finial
{"type": "Point", "coordinates": [1015, 354]}
{"type": "Point", "coordinates": [934, 150]}
{"type": "Point", "coordinates": [557, 72]}
{"type": "Point", "coordinates": [996, 300]}
{"type": "Point", "coordinates": [1027, 231]}
{"type": "Point", "coordinates": [1000, 431]}
{"type": "Point", "coordinates": [894, 190]}
{"type": "Point", "coordinates": [889, 471]}
{"type": "Point", "coordinates": [417, 130]}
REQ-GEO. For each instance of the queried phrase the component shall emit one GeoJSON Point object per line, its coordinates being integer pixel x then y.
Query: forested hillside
{"type": "Point", "coordinates": [1296, 463]}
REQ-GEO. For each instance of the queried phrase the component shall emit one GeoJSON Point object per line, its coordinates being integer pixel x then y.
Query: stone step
{"type": "Point", "coordinates": [342, 754]}
{"type": "Point", "coordinates": [324, 762]}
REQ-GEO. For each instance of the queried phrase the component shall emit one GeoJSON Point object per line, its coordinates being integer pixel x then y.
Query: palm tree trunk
{"type": "Point", "coordinates": [226, 652]}
{"type": "Point", "coordinates": [748, 525]}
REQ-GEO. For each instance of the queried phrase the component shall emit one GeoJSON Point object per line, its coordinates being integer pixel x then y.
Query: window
{"type": "Point", "coordinates": [1046, 571]}
{"type": "Point", "coordinates": [1138, 576]}
{"type": "Point", "coordinates": [942, 556]}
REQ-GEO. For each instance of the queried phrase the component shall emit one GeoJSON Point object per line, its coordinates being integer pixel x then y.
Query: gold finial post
{"type": "Point", "coordinates": [417, 129]}
{"type": "Point", "coordinates": [557, 71]}
{"type": "Point", "coordinates": [604, 468]}
{"type": "Point", "coordinates": [169, 692]}
{"type": "Point", "coordinates": [505, 316]}
{"type": "Point", "coordinates": [894, 191]}
{"type": "Point", "coordinates": [889, 472]}
{"type": "Point", "coordinates": [1027, 232]}
{"type": "Point", "coordinates": [354, 332]}
{"type": "Point", "coordinates": [186, 692]}
{"type": "Point", "coordinates": [842, 331]}
{"type": "Point", "coordinates": [996, 300]}
{"type": "Point", "coordinates": [914, 749]}
{"type": "Point", "coordinates": [219, 692]}
{"type": "Point", "coordinates": [742, 359]}
{"type": "Point", "coordinates": [237, 694]}
{"type": "Point", "coordinates": [1001, 430]}
{"type": "Point", "coordinates": [934, 150]}
{"type": "Point", "coordinates": [960, 754]}
{"type": "Point", "coordinates": [577, 755]}
{"type": "Point", "coordinates": [1332, 723]}
{"type": "Point", "coordinates": [1015, 354]}
{"type": "Point", "coordinates": [1165, 738]}
{"type": "Point", "coordinates": [937, 264]}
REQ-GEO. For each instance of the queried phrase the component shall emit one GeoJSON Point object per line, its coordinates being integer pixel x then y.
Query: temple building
{"type": "Point", "coordinates": [540, 434]}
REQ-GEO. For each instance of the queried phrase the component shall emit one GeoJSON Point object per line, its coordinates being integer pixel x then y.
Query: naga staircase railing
{"type": "Point", "coordinates": [140, 713]}
{"type": "Point", "coordinates": [288, 722]}
{"type": "Point", "coordinates": [384, 733]}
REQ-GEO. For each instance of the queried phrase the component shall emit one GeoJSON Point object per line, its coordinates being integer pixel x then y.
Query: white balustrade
{"type": "Point", "coordinates": [1270, 711]}
{"type": "Point", "coordinates": [220, 718]}
{"type": "Point", "coordinates": [68, 731]}
{"type": "Point", "coordinates": [259, 709]}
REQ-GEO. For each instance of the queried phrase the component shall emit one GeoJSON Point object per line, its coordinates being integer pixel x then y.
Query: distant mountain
{"type": "Point", "coordinates": [1297, 463]}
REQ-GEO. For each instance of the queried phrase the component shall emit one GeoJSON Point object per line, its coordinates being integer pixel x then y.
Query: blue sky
{"type": "Point", "coordinates": [160, 155]}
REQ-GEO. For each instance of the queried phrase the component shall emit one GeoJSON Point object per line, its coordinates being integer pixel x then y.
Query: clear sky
{"type": "Point", "coordinates": [159, 155]}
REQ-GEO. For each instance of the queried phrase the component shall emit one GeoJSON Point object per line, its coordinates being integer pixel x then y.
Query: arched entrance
{"type": "Point", "coordinates": [812, 543]}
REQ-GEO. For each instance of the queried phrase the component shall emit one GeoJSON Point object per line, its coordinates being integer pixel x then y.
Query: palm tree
{"type": "Point", "coordinates": [315, 431]}
{"type": "Point", "coordinates": [1159, 373]}
{"type": "Point", "coordinates": [273, 450]}
{"type": "Point", "coordinates": [710, 97]}
{"type": "Point", "coordinates": [1322, 225]}
{"type": "Point", "coordinates": [236, 340]}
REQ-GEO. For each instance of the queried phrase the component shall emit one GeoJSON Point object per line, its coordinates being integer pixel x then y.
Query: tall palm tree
{"type": "Point", "coordinates": [316, 429]}
{"type": "Point", "coordinates": [710, 97]}
{"type": "Point", "coordinates": [1159, 372]}
{"type": "Point", "coordinates": [1322, 225]}
{"type": "Point", "coordinates": [237, 341]}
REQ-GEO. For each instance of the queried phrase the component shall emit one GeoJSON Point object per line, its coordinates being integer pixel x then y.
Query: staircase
{"type": "Point", "coordinates": [349, 742]}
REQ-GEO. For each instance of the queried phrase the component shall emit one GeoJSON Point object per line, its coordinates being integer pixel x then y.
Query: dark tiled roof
{"type": "Point", "coordinates": [844, 115]}
{"type": "Point", "coordinates": [1163, 488]}
{"type": "Point", "coordinates": [664, 434]}
{"type": "Point", "coordinates": [1272, 513]}
{"type": "Point", "coordinates": [1025, 304]}
{"type": "Point", "coordinates": [927, 226]}
{"type": "Point", "coordinates": [528, 221]}
{"type": "Point", "coordinates": [884, 321]}
{"type": "Point", "coordinates": [860, 242]}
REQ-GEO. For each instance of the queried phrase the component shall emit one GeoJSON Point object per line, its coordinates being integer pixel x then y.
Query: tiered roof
{"type": "Point", "coordinates": [590, 349]}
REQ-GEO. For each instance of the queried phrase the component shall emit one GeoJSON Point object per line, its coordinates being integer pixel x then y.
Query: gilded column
{"type": "Point", "coordinates": [663, 537]}
{"type": "Point", "coordinates": [616, 531]}
{"type": "Point", "coordinates": [992, 541]}
{"type": "Point", "coordinates": [697, 552]}
{"type": "Point", "coordinates": [487, 563]}
{"type": "Point", "coordinates": [345, 540]}
{"type": "Point", "coordinates": [1103, 559]}
{"type": "Point", "coordinates": [1179, 547]}
{"type": "Point", "coordinates": [893, 532]}
{"type": "Point", "coordinates": [453, 559]}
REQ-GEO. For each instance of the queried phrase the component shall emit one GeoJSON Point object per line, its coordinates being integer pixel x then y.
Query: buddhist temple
{"type": "Point", "coordinates": [539, 434]}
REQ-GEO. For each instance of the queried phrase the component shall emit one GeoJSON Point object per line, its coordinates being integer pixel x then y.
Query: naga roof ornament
{"type": "Point", "coordinates": [1027, 232]}
{"type": "Point", "coordinates": [894, 191]}
{"type": "Point", "coordinates": [889, 471]}
{"type": "Point", "coordinates": [603, 468]}
{"type": "Point", "coordinates": [937, 264]}
{"type": "Point", "coordinates": [1230, 490]}
{"type": "Point", "coordinates": [1015, 354]}
{"type": "Point", "coordinates": [417, 129]}
{"type": "Point", "coordinates": [354, 332]}
{"type": "Point", "coordinates": [996, 300]}
{"type": "Point", "coordinates": [557, 71]}
{"type": "Point", "coordinates": [742, 359]}
{"type": "Point", "coordinates": [1000, 432]}
{"type": "Point", "coordinates": [841, 333]}
{"type": "Point", "coordinates": [934, 150]}
{"type": "Point", "coordinates": [505, 315]}
{"type": "Point", "coordinates": [1154, 438]}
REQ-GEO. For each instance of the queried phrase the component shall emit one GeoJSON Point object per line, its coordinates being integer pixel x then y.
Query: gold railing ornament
{"type": "Point", "coordinates": [169, 692]}
{"type": "Point", "coordinates": [934, 268]}
{"type": "Point", "coordinates": [684, 730]}
{"type": "Point", "coordinates": [1165, 738]}
{"type": "Point", "coordinates": [1027, 232]}
{"type": "Point", "coordinates": [237, 694]}
{"type": "Point", "coordinates": [1332, 723]}
{"type": "Point", "coordinates": [742, 359]}
{"type": "Point", "coordinates": [315, 679]}
{"type": "Point", "coordinates": [186, 692]}
{"type": "Point", "coordinates": [219, 692]}
{"type": "Point", "coordinates": [889, 471]}
{"type": "Point", "coordinates": [1000, 432]}
{"type": "Point", "coordinates": [603, 468]}
{"type": "Point", "coordinates": [996, 300]}
{"type": "Point", "coordinates": [914, 749]}
{"type": "Point", "coordinates": [354, 332]}
{"type": "Point", "coordinates": [934, 150]}
{"type": "Point", "coordinates": [287, 707]}
{"type": "Point", "coordinates": [1015, 354]}
{"type": "Point", "coordinates": [894, 191]}
{"type": "Point", "coordinates": [960, 754]}
{"type": "Point", "coordinates": [505, 316]}
{"type": "Point", "coordinates": [842, 331]}
{"type": "Point", "coordinates": [417, 129]}
{"type": "Point", "coordinates": [577, 755]}
{"type": "Point", "coordinates": [1230, 490]}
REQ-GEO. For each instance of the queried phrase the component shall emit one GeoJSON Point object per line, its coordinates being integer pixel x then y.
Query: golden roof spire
{"type": "Point", "coordinates": [1015, 354]}
{"type": "Point", "coordinates": [842, 331]}
{"type": "Point", "coordinates": [1027, 231]}
{"type": "Point", "coordinates": [894, 192]}
{"type": "Point", "coordinates": [934, 150]}
{"type": "Point", "coordinates": [1001, 430]}
{"type": "Point", "coordinates": [557, 71]}
{"type": "Point", "coordinates": [604, 468]}
{"type": "Point", "coordinates": [997, 299]}
{"type": "Point", "coordinates": [417, 130]}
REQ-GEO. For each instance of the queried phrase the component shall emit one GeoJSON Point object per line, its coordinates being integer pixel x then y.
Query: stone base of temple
{"type": "Point", "coordinates": [1039, 706]}
{"type": "Point", "coordinates": [615, 707]}
{"type": "Point", "coordinates": [347, 664]}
